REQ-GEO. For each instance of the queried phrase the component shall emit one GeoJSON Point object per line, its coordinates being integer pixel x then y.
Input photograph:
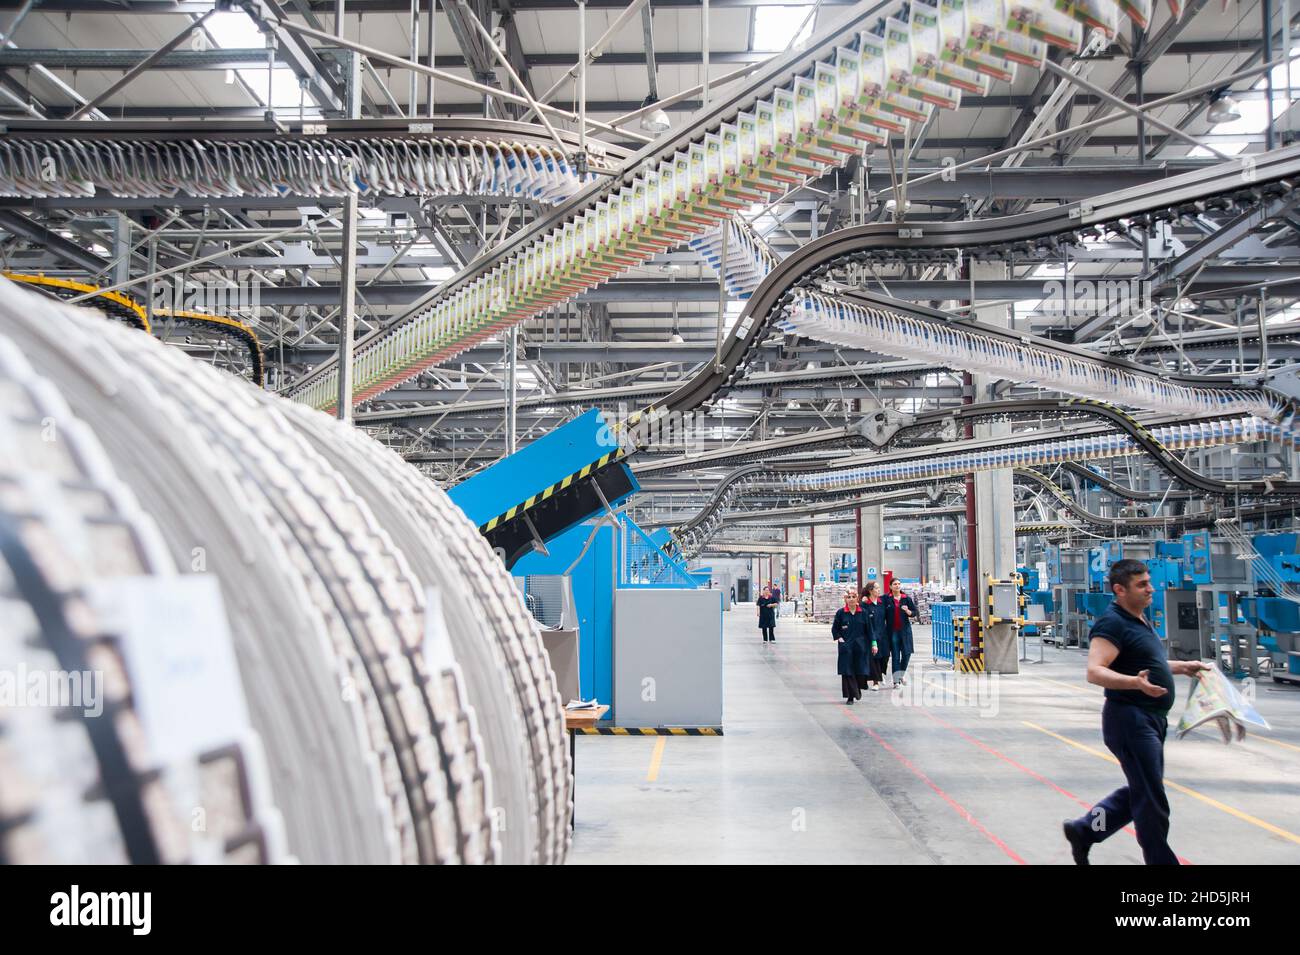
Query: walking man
{"type": "Point", "coordinates": [1127, 658]}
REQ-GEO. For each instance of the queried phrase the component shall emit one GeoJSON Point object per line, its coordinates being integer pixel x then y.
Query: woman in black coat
{"type": "Point", "coordinates": [900, 611]}
{"type": "Point", "coordinates": [767, 615]}
{"type": "Point", "coordinates": [877, 635]}
{"type": "Point", "coordinates": [849, 629]}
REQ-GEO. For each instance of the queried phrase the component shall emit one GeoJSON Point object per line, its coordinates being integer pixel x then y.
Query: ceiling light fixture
{"type": "Point", "coordinates": [655, 121]}
{"type": "Point", "coordinates": [1223, 109]}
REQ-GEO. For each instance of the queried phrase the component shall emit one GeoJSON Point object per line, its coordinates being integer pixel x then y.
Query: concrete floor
{"type": "Point", "coordinates": [967, 770]}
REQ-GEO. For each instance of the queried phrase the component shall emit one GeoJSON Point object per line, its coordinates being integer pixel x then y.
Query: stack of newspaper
{"type": "Point", "coordinates": [1216, 698]}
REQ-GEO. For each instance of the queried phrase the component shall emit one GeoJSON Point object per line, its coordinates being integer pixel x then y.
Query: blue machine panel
{"type": "Point", "coordinates": [593, 581]}
{"type": "Point", "coordinates": [1100, 560]}
{"type": "Point", "coordinates": [1197, 564]}
{"type": "Point", "coordinates": [1053, 554]}
{"type": "Point", "coordinates": [534, 468]}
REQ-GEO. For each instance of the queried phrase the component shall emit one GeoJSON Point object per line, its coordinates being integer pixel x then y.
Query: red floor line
{"type": "Point", "coordinates": [954, 804]}
{"type": "Point", "coordinates": [1026, 770]}
{"type": "Point", "coordinates": [957, 807]}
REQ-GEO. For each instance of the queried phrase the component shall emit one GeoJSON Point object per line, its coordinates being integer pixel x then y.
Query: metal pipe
{"type": "Point", "coordinates": [686, 94]}
{"type": "Point", "coordinates": [1266, 9]}
{"type": "Point", "coordinates": [704, 52]}
{"type": "Point", "coordinates": [1141, 112]}
{"type": "Point", "coordinates": [1141, 120]}
{"type": "Point", "coordinates": [396, 61]}
{"type": "Point", "coordinates": [591, 55]}
{"type": "Point", "coordinates": [149, 286]}
{"type": "Point", "coordinates": [412, 106]}
{"type": "Point", "coordinates": [178, 268]}
{"type": "Point", "coordinates": [651, 68]}
{"type": "Point", "coordinates": [582, 77]}
{"type": "Point", "coordinates": [510, 71]}
{"type": "Point", "coordinates": [1263, 333]}
{"type": "Point", "coordinates": [857, 543]}
{"type": "Point", "coordinates": [512, 393]}
{"type": "Point", "coordinates": [140, 67]}
{"type": "Point", "coordinates": [433, 39]}
{"type": "Point", "coordinates": [18, 20]}
{"type": "Point", "coordinates": [974, 646]}
{"type": "Point", "coordinates": [722, 296]}
{"type": "Point", "coordinates": [1093, 124]}
{"type": "Point", "coordinates": [347, 302]}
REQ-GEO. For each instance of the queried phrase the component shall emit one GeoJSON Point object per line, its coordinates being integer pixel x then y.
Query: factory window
{"type": "Point", "coordinates": [897, 542]}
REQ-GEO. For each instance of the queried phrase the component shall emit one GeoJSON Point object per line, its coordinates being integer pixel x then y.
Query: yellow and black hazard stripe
{"type": "Point", "coordinates": [1110, 409]}
{"type": "Point", "coordinates": [1026, 529]}
{"type": "Point", "coordinates": [964, 664]}
{"type": "Point", "coordinates": [650, 730]}
{"type": "Point", "coordinates": [541, 496]}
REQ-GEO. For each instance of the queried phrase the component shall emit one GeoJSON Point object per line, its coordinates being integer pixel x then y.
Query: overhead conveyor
{"type": "Point", "coordinates": [124, 307]}
{"type": "Point", "coordinates": [807, 111]}
{"type": "Point", "coordinates": [449, 157]}
{"type": "Point", "coordinates": [925, 465]}
{"type": "Point", "coordinates": [1245, 182]}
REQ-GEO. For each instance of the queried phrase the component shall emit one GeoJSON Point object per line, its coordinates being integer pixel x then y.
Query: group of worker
{"type": "Point", "coordinates": [873, 634]}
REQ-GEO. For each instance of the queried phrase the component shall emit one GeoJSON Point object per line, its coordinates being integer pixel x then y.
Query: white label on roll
{"type": "Point", "coordinates": [180, 660]}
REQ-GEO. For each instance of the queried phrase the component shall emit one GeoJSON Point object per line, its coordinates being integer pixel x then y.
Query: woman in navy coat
{"type": "Point", "coordinates": [850, 632]}
{"type": "Point", "coordinates": [767, 615]}
{"type": "Point", "coordinates": [877, 635]}
{"type": "Point", "coordinates": [900, 611]}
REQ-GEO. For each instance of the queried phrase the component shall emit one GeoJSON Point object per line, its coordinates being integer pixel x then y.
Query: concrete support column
{"type": "Point", "coordinates": [820, 561]}
{"type": "Point", "coordinates": [871, 543]}
{"type": "Point", "coordinates": [995, 509]}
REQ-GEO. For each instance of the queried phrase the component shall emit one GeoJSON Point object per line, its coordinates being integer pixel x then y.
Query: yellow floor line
{"type": "Point", "coordinates": [1223, 807]}
{"type": "Point", "coordinates": [1068, 686]}
{"type": "Point", "coordinates": [948, 689]}
{"type": "Point", "coordinates": [656, 759]}
{"type": "Point", "coordinates": [1256, 738]}
{"type": "Point", "coordinates": [1099, 698]}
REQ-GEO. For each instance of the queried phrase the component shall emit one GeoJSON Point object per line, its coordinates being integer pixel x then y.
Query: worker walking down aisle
{"type": "Point", "coordinates": [899, 611]}
{"type": "Point", "coordinates": [1127, 658]}
{"type": "Point", "coordinates": [849, 629]}
{"type": "Point", "coordinates": [767, 615]}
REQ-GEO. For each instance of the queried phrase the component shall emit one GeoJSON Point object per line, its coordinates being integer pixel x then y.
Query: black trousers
{"type": "Point", "coordinates": [1137, 738]}
{"type": "Point", "coordinates": [850, 688]}
{"type": "Point", "coordinates": [769, 633]}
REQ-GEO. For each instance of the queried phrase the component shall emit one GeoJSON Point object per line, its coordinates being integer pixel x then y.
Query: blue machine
{"type": "Point", "coordinates": [600, 558]}
{"type": "Point", "coordinates": [1100, 560]}
{"type": "Point", "coordinates": [1276, 616]}
{"type": "Point", "coordinates": [542, 490]}
{"type": "Point", "coordinates": [1053, 558]}
{"type": "Point", "coordinates": [1198, 564]}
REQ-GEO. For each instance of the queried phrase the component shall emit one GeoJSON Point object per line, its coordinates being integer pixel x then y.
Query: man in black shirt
{"type": "Point", "coordinates": [1127, 658]}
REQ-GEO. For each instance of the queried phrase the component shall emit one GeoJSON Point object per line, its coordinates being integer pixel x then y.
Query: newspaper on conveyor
{"type": "Point", "coordinates": [1216, 698]}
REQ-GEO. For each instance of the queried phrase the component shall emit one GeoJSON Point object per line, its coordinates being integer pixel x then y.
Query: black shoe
{"type": "Point", "coordinates": [1078, 846]}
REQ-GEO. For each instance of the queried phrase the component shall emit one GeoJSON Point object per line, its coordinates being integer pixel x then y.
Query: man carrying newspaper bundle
{"type": "Point", "coordinates": [1127, 658]}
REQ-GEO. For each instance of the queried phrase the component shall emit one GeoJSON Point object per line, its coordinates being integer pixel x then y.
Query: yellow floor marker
{"type": "Point", "coordinates": [1256, 738]}
{"type": "Point", "coordinates": [655, 759]}
{"type": "Point", "coordinates": [1209, 801]}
